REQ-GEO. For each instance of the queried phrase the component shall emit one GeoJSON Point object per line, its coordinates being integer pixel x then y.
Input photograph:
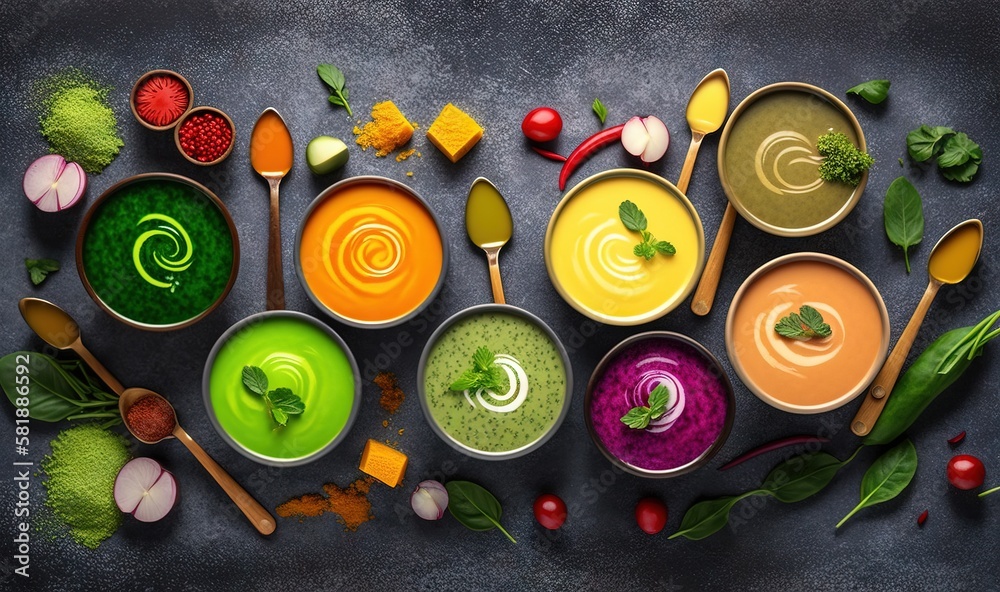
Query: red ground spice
{"type": "Point", "coordinates": [205, 137]}
{"type": "Point", "coordinates": [349, 503]}
{"type": "Point", "coordinates": [150, 418]}
{"type": "Point", "coordinates": [161, 100]}
{"type": "Point", "coordinates": [392, 395]}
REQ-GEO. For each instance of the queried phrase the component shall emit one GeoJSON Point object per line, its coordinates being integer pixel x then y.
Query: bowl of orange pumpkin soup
{"type": "Point", "coordinates": [803, 371]}
{"type": "Point", "coordinates": [370, 252]}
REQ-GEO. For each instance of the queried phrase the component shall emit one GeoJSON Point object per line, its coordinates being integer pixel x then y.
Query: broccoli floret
{"type": "Point", "coordinates": [841, 160]}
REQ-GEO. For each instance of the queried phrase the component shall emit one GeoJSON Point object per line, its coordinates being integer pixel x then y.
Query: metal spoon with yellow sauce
{"type": "Point", "coordinates": [950, 262]}
{"type": "Point", "coordinates": [490, 226]}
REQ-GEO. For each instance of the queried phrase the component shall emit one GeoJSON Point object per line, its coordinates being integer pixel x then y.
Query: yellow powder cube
{"type": "Point", "coordinates": [384, 463]}
{"type": "Point", "coordinates": [454, 132]}
{"type": "Point", "coordinates": [387, 130]}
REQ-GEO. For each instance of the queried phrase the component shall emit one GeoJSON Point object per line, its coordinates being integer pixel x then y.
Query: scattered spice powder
{"type": "Point", "coordinates": [392, 396]}
{"type": "Point", "coordinates": [350, 503]}
{"type": "Point", "coordinates": [77, 121]}
{"type": "Point", "coordinates": [81, 473]}
{"type": "Point", "coordinates": [405, 154]}
{"type": "Point", "coordinates": [387, 130]}
{"type": "Point", "coordinates": [151, 418]}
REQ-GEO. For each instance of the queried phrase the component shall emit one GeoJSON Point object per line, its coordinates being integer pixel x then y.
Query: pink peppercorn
{"type": "Point", "coordinates": [205, 137]}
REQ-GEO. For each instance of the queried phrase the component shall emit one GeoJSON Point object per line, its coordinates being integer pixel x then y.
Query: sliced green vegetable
{"type": "Point", "coordinates": [887, 477]}
{"type": "Point", "coordinates": [475, 507]}
{"type": "Point", "coordinates": [873, 91]}
{"type": "Point", "coordinates": [903, 213]}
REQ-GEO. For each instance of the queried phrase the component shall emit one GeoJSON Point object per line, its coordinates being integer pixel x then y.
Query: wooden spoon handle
{"type": "Point", "coordinates": [98, 368]}
{"type": "Point", "coordinates": [275, 277]}
{"type": "Point", "coordinates": [258, 516]}
{"type": "Point", "coordinates": [878, 394]}
{"type": "Point", "coordinates": [493, 256]}
{"type": "Point", "coordinates": [685, 179]}
{"type": "Point", "coordinates": [704, 296]}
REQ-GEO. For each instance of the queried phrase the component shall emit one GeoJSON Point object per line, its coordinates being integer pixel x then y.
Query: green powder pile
{"type": "Point", "coordinates": [77, 121]}
{"type": "Point", "coordinates": [81, 480]}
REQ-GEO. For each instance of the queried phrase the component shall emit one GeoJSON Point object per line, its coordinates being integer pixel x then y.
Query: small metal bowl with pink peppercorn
{"type": "Point", "coordinates": [205, 136]}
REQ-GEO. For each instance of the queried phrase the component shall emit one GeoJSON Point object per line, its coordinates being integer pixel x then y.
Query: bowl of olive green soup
{"type": "Point", "coordinates": [769, 163]}
{"type": "Point", "coordinates": [494, 382]}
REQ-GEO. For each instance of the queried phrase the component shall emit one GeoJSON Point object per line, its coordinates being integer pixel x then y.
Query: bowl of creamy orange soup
{"type": "Point", "coordinates": [805, 371]}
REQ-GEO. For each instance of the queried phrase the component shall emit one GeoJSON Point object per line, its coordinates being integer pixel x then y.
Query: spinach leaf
{"type": "Point", "coordinates": [803, 476]}
{"type": "Point", "coordinates": [873, 91]}
{"type": "Point", "coordinates": [904, 216]}
{"type": "Point", "coordinates": [887, 477]}
{"type": "Point", "coordinates": [922, 143]}
{"type": "Point", "coordinates": [474, 507]}
{"type": "Point", "coordinates": [710, 516]}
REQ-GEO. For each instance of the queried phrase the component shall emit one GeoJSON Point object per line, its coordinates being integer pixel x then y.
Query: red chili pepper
{"type": "Point", "coordinates": [587, 148]}
{"type": "Point", "coordinates": [549, 154]}
{"type": "Point", "coordinates": [790, 441]}
{"type": "Point", "coordinates": [922, 518]}
{"type": "Point", "coordinates": [957, 439]}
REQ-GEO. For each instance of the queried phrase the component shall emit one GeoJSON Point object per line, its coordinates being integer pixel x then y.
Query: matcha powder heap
{"type": "Point", "coordinates": [77, 121]}
{"type": "Point", "coordinates": [81, 480]}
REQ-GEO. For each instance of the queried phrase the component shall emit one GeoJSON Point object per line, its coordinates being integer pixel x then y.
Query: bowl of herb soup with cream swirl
{"type": "Point", "coordinates": [680, 388]}
{"type": "Point", "coordinates": [158, 251]}
{"type": "Point", "coordinates": [524, 403]}
{"type": "Point", "coordinates": [807, 332]}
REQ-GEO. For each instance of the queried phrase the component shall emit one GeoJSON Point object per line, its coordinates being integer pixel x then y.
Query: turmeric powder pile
{"type": "Point", "coordinates": [350, 504]}
{"type": "Point", "coordinates": [387, 130]}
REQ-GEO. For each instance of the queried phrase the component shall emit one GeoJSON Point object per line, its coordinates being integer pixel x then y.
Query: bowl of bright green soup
{"type": "Point", "coordinates": [296, 352]}
{"type": "Point", "coordinates": [517, 415]}
{"type": "Point", "coordinates": [769, 165]}
{"type": "Point", "coordinates": [158, 251]}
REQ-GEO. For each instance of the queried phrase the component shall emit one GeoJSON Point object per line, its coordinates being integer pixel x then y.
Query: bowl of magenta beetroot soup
{"type": "Point", "coordinates": [659, 404]}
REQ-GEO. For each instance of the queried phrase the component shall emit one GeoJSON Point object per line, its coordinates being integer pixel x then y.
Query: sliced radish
{"type": "Point", "coordinates": [145, 489]}
{"type": "Point", "coordinates": [53, 184]}
{"type": "Point", "coordinates": [646, 138]}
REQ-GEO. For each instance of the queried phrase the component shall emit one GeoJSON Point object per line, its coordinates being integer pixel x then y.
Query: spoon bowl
{"type": "Point", "coordinates": [706, 111]}
{"type": "Point", "coordinates": [258, 516]}
{"type": "Point", "coordinates": [490, 226]}
{"type": "Point", "coordinates": [271, 155]}
{"type": "Point", "coordinates": [951, 260]}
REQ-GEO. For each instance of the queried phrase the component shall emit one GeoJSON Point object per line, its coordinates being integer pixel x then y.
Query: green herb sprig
{"type": "Point", "coordinates": [39, 269]}
{"type": "Point", "coordinates": [958, 156]}
{"type": "Point", "coordinates": [484, 374]}
{"type": "Point", "coordinates": [842, 160]}
{"type": "Point", "coordinates": [634, 220]}
{"type": "Point", "coordinates": [903, 212]}
{"type": "Point", "coordinates": [280, 402]}
{"type": "Point", "coordinates": [334, 78]}
{"type": "Point", "coordinates": [873, 91]}
{"type": "Point", "coordinates": [805, 324]}
{"type": "Point", "coordinates": [600, 110]}
{"type": "Point", "coordinates": [638, 418]}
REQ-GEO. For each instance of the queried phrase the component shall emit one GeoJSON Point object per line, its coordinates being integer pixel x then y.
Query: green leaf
{"type": "Point", "coordinates": [873, 91]}
{"type": "Point", "coordinates": [709, 517]}
{"type": "Point", "coordinates": [887, 477]}
{"type": "Point", "coordinates": [331, 75]}
{"type": "Point", "coordinates": [664, 247]}
{"type": "Point", "coordinates": [39, 269]}
{"type": "Point", "coordinates": [959, 149]}
{"type": "Point", "coordinates": [484, 374]}
{"type": "Point", "coordinates": [962, 173]}
{"type": "Point", "coordinates": [904, 216]}
{"type": "Point", "coordinates": [923, 142]}
{"type": "Point", "coordinates": [54, 394]}
{"type": "Point", "coordinates": [279, 416]}
{"type": "Point", "coordinates": [644, 250]}
{"type": "Point", "coordinates": [803, 476]}
{"type": "Point", "coordinates": [337, 100]}
{"type": "Point", "coordinates": [812, 319]}
{"type": "Point", "coordinates": [255, 380]}
{"type": "Point", "coordinates": [805, 324]}
{"type": "Point", "coordinates": [658, 399]}
{"type": "Point", "coordinates": [467, 381]}
{"type": "Point", "coordinates": [287, 401]}
{"type": "Point", "coordinates": [483, 359]}
{"type": "Point", "coordinates": [632, 217]}
{"type": "Point", "coordinates": [474, 507]}
{"type": "Point", "coordinates": [600, 110]}
{"type": "Point", "coordinates": [637, 418]}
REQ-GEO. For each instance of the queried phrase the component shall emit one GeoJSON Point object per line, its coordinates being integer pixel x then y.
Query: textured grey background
{"type": "Point", "coordinates": [497, 60]}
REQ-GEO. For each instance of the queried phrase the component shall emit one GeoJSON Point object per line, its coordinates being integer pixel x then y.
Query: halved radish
{"type": "Point", "coordinates": [646, 137]}
{"type": "Point", "coordinates": [53, 184]}
{"type": "Point", "coordinates": [145, 489]}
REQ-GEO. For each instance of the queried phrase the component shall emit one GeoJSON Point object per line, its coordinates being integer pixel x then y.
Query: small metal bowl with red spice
{"type": "Point", "coordinates": [205, 136]}
{"type": "Point", "coordinates": [160, 98]}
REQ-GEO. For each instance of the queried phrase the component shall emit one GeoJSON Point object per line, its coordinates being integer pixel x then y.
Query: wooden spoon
{"type": "Point", "coordinates": [271, 156]}
{"type": "Point", "coordinates": [950, 262]}
{"type": "Point", "coordinates": [706, 111]}
{"type": "Point", "coordinates": [258, 516]}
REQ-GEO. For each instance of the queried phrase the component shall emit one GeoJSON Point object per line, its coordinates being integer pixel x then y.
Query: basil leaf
{"type": "Point", "coordinates": [658, 399]}
{"type": "Point", "coordinates": [962, 173]}
{"type": "Point", "coordinates": [600, 110]}
{"type": "Point", "coordinates": [709, 517]}
{"type": "Point", "coordinates": [39, 269]}
{"type": "Point", "coordinates": [887, 477]}
{"type": "Point", "coordinates": [873, 91]}
{"type": "Point", "coordinates": [632, 217]}
{"type": "Point", "coordinates": [287, 401]}
{"type": "Point", "coordinates": [331, 75]}
{"type": "Point", "coordinates": [903, 212]}
{"type": "Point", "coordinates": [255, 380]}
{"type": "Point", "coordinates": [664, 247]}
{"type": "Point", "coordinates": [54, 393]}
{"type": "Point", "coordinates": [337, 101]}
{"type": "Point", "coordinates": [922, 143]}
{"type": "Point", "coordinates": [814, 320]}
{"type": "Point", "coordinates": [958, 150]}
{"type": "Point", "coordinates": [802, 476]}
{"type": "Point", "coordinates": [474, 507]}
{"type": "Point", "coordinates": [637, 418]}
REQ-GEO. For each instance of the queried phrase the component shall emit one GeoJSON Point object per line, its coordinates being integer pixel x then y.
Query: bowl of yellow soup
{"type": "Point", "coordinates": [769, 165]}
{"type": "Point", "coordinates": [370, 252]}
{"type": "Point", "coordinates": [807, 374]}
{"type": "Point", "coordinates": [591, 255]}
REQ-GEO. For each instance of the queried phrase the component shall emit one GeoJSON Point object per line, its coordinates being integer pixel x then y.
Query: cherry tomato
{"type": "Point", "coordinates": [542, 124]}
{"type": "Point", "coordinates": [966, 471]}
{"type": "Point", "coordinates": [651, 515]}
{"type": "Point", "coordinates": [550, 511]}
